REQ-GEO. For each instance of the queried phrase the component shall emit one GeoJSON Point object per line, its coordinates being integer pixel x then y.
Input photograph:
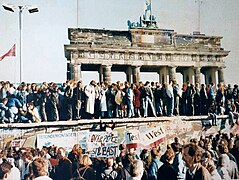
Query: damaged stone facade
{"type": "Point", "coordinates": [143, 49]}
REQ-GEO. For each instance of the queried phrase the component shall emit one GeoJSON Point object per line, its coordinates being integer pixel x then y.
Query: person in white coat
{"type": "Point", "coordinates": [90, 98]}
{"type": "Point", "coordinates": [15, 173]}
{"type": "Point", "coordinates": [102, 97]}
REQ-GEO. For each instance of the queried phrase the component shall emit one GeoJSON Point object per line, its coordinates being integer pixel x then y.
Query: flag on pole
{"type": "Point", "coordinates": [11, 52]}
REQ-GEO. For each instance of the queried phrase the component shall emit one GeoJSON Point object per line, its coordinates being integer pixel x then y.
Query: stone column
{"type": "Point", "coordinates": [101, 77]}
{"type": "Point", "coordinates": [172, 73]}
{"type": "Point", "coordinates": [221, 75]}
{"type": "Point", "coordinates": [210, 76]}
{"type": "Point", "coordinates": [197, 75]}
{"type": "Point", "coordinates": [136, 74]}
{"type": "Point", "coordinates": [188, 75]}
{"type": "Point", "coordinates": [163, 75]}
{"type": "Point", "coordinates": [75, 70]}
{"type": "Point", "coordinates": [107, 73]}
{"type": "Point", "coordinates": [129, 74]}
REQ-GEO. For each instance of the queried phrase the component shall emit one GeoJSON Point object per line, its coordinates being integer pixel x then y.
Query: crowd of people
{"type": "Point", "coordinates": [213, 157]}
{"type": "Point", "coordinates": [73, 100]}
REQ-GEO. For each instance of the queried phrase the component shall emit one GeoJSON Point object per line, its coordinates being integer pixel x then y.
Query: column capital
{"type": "Point", "coordinates": [106, 65]}
{"type": "Point", "coordinates": [172, 66]}
{"type": "Point", "coordinates": [136, 66]}
{"type": "Point", "coordinates": [221, 67]}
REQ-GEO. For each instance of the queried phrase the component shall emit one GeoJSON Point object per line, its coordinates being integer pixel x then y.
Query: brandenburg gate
{"type": "Point", "coordinates": [145, 48]}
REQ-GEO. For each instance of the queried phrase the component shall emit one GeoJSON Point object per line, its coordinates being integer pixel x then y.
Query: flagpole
{"type": "Point", "coordinates": [150, 12]}
{"type": "Point", "coordinates": [15, 67]}
{"type": "Point", "coordinates": [20, 40]}
{"type": "Point", "coordinates": [11, 8]}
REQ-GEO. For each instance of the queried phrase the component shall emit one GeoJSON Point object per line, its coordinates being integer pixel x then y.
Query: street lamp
{"type": "Point", "coordinates": [11, 8]}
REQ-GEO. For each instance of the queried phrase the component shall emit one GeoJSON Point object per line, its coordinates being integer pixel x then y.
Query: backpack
{"type": "Point", "coordinates": [81, 177]}
{"type": "Point", "coordinates": [107, 176]}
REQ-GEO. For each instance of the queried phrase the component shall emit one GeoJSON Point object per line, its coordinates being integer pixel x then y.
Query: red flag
{"type": "Point", "coordinates": [11, 52]}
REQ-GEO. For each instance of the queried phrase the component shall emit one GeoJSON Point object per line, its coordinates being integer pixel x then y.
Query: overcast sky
{"type": "Point", "coordinates": [45, 33]}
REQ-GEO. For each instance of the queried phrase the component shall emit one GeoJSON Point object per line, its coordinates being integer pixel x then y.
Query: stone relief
{"type": "Point", "coordinates": [202, 58]}
{"type": "Point", "coordinates": [107, 56]}
{"type": "Point", "coordinates": [101, 55]}
{"type": "Point", "coordinates": [126, 55]}
{"type": "Point", "coordinates": [111, 55]}
{"type": "Point", "coordinates": [209, 59]}
{"type": "Point", "coordinates": [141, 57]}
{"type": "Point", "coordinates": [145, 56]}
{"type": "Point", "coordinates": [81, 54]}
{"type": "Point", "coordinates": [116, 56]}
{"type": "Point", "coordinates": [168, 57]}
{"type": "Point", "coordinates": [163, 57]}
{"type": "Point", "coordinates": [121, 56]}
{"type": "Point", "coordinates": [184, 57]}
{"type": "Point", "coordinates": [159, 57]}
{"type": "Point", "coordinates": [91, 55]}
{"type": "Point", "coordinates": [74, 55]}
{"type": "Point", "coordinates": [131, 56]}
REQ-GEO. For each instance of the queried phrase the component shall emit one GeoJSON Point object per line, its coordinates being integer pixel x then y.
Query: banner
{"type": "Point", "coordinates": [102, 144]}
{"type": "Point", "coordinates": [153, 136]}
{"type": "Point", "coordinates": [132, 139]}
{"type": "Point", "coordinates": [66, 140]}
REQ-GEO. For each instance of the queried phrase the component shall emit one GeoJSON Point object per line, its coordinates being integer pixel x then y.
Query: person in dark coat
{"type": "Point", "coordinates": [64, 167]}
{"type": "Point", "coordinates": [137, 101]}
{"type": "Point", "coordinates": [192, 158]}
{"type": "Point", "coordinates": [69, 100]}
{"type": "Point", "coordinates": [203, 100]}
{"type": "Point", "coordinates": [158, 97]}
{"type": "Point", "coordinates": [41, 98]}
{"type": "Point", "coordinates": [167, 171]}
{"type": "Point", "coordinates": [53, 102]}
{"type": "Point", "coordinates": [196, 100]}
{"type": "Point", "coordinates": [85, 170]}
{"type": "Point", "coordinates": [74, 156]}
{"type": "Point", "coordinates": [3, 110]}
{"type": "Point", "coordinates": [235, 151]}
{"type": "Point", "coordinates": [77, 100]}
